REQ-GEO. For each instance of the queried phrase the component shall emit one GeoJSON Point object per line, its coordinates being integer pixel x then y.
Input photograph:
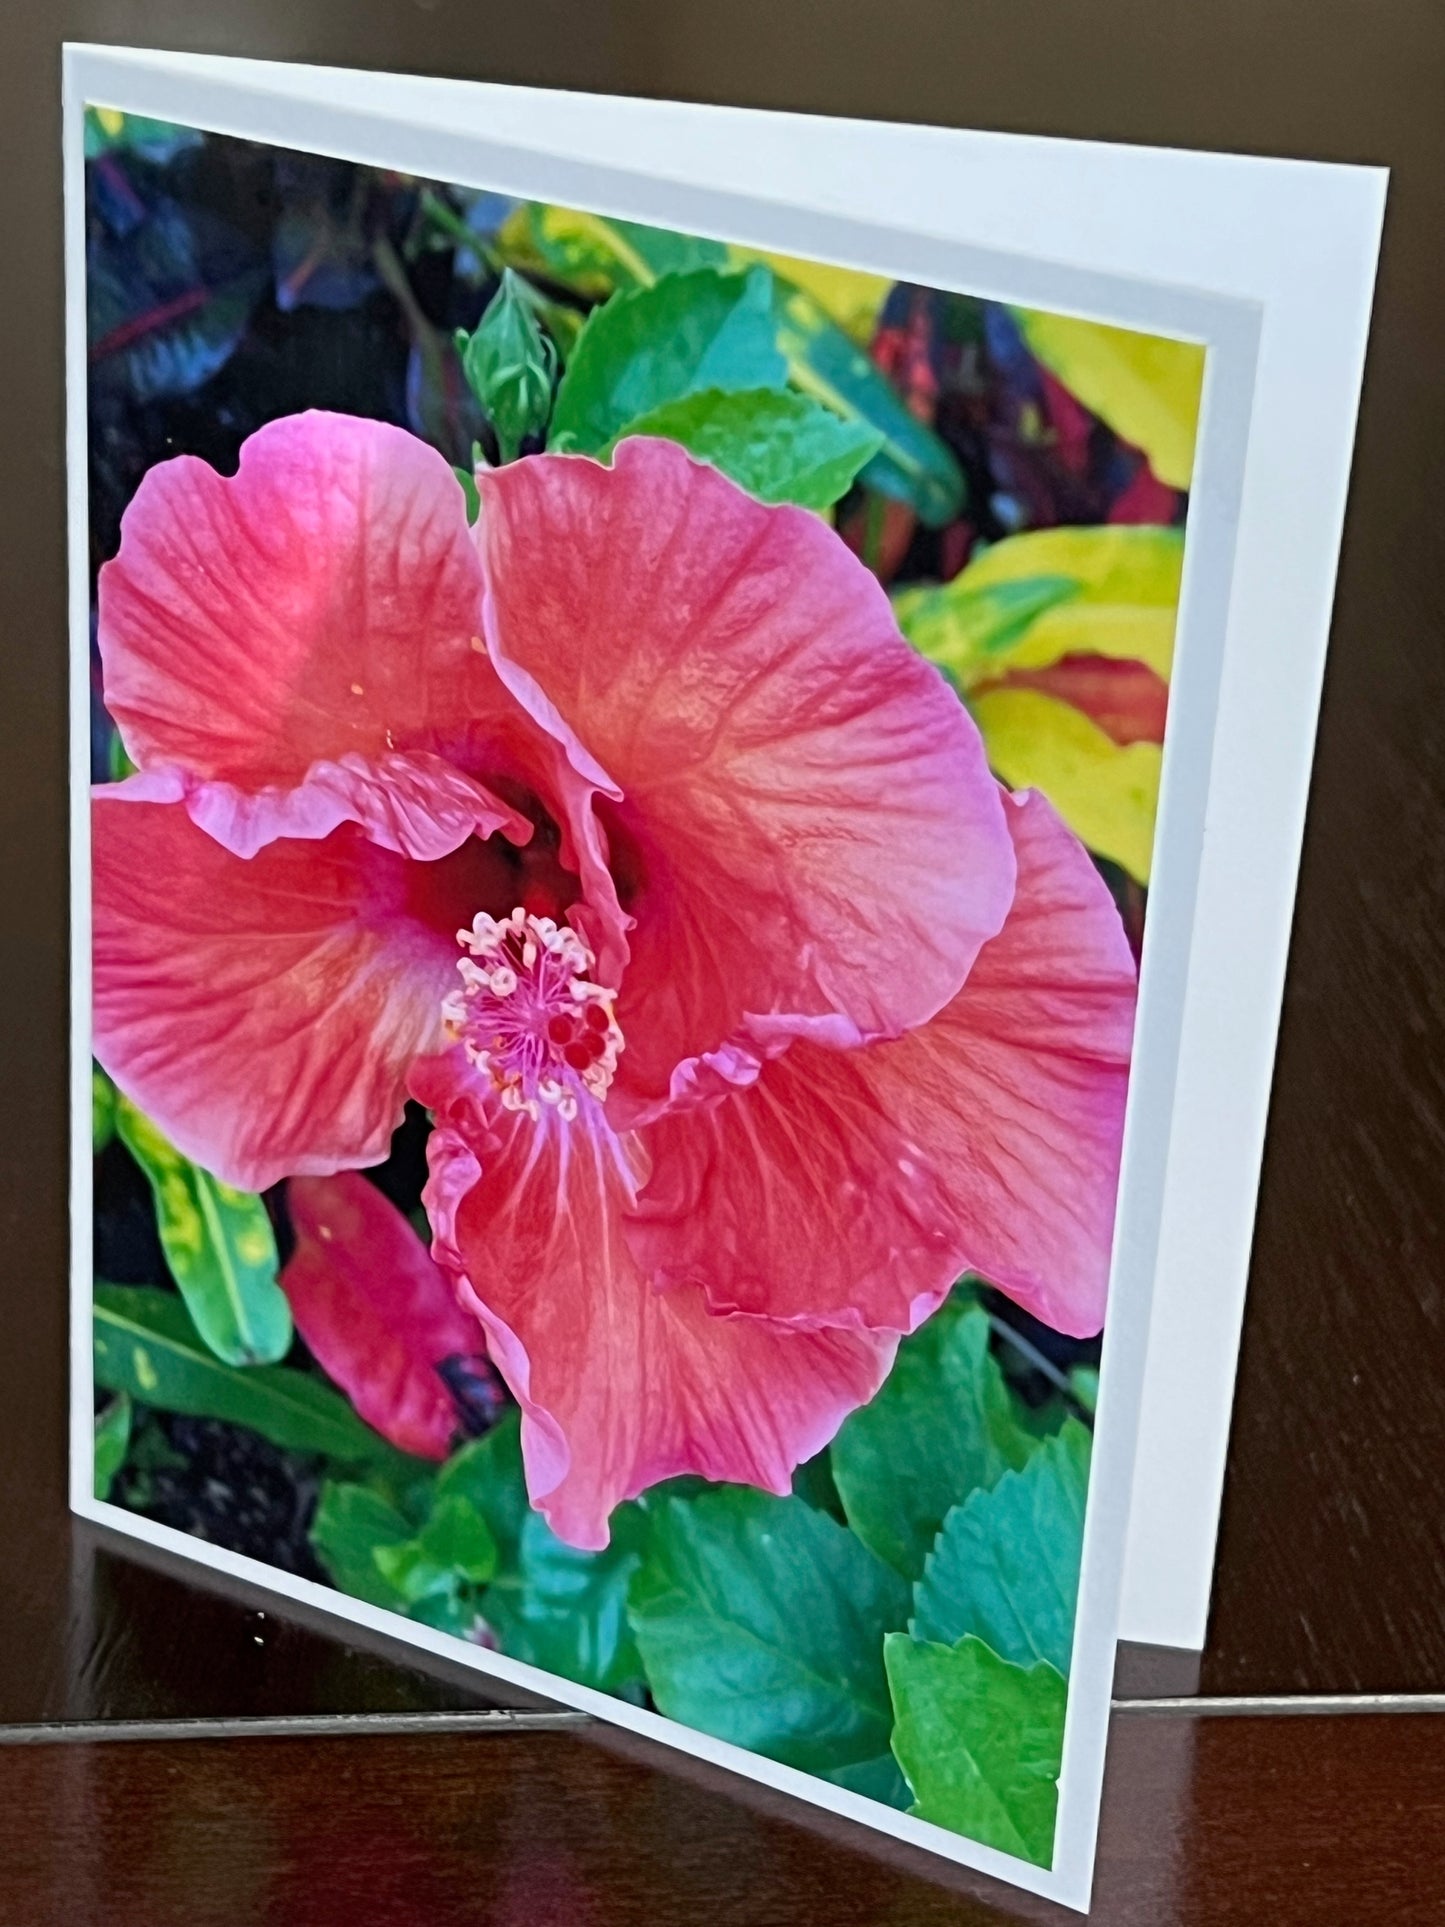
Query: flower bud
{"type": "Point", "coordinates": [511, 366]}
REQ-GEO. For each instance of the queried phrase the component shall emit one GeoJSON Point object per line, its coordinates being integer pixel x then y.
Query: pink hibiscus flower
{"type": "Point", "coordinates": [627, 834]}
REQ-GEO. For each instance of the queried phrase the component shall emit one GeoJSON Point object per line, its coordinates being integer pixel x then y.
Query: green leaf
{"type": "Point", "coordinates": [473, 494]}
{"type": "Point", "coordinates": [567, 1610]}
{"type": "Point", "coordinates": [761, 1621]}
{"type": "Point", "coordinates": [1031, 600]}
{"type": "Point", "coordinates": [102, 1109]}
{"type": "Point", "coordinates": [912, 464]}
{"type": "Point", "coordinates": [352, 1523]}
{"type": "Point", "coordinates": [941, 1426]}
{"type": "Point", "coordinates": [1006, 1565]}
{"type": "Point", "coordinates": [218, 1244]}
{"type": "Point", "coordinates": [1084, 1384]}
{"type": "Point", "coordinates": [970, 632]}
{"type": "Point", "coordinates": [880, 1779]}
{"type": "Point", "coordinates": [108, 131]}
{"type": "Point", "coordinates": [813, 1483]}
{"type": "Point", "coordinates": [647, 346]}
{"type": "Point", "coordinates": [486, 1474]}
{"type": "Point", "coordinates": [413, 1573]}
{"type": "Point", "coordinates": [372, 1553]}
{"type": "Point", "coordinates": [981, 1742]}
{"type": "Point", "coordinates": [117, 762]}
{"type": "Point", "coordinates": [779, 446]}
{"type": "Point", "coordinates": [145, 1344]}
{"type": "Point", "coordinates": [457, 1538]}
{"type": "Point", "coordinates": [112, 1436]}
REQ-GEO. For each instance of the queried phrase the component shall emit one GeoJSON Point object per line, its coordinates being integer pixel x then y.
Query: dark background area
{"type": "Point", "coordinates": [1332, 1560]}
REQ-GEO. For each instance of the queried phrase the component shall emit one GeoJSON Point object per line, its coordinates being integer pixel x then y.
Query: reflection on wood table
{"type": "Point", "coordinates": [1208, 1822]}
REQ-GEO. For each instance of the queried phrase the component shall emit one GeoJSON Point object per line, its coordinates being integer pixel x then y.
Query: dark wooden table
{"type": "Point", "coordinates": [1293, 1821]}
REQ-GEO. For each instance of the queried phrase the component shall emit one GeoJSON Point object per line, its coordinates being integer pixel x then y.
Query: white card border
{"type": "Point", "coordinates": [372, 118]}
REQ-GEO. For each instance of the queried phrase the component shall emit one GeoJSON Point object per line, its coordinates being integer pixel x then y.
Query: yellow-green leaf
{"type": "Point", "coordinates": [219, 1245]}
{"type": "Point", "coordinates": [102, 1109]}
{"type": "Point", "coordinates": [1106, 792]}
{"type": "Point", "coordinates": [145, 1343]}
{"type": "Point", "coordinates": [1031, 599]}
{"type": "Point", "coordinates": [112, 1436]}
{"type": "Point", "coordinates": [1145, 387]}
{"type": "Point", "coordinates": [597, 253]}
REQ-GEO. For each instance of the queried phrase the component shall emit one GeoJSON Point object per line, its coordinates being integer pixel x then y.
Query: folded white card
{"type": "Point", "coordinates": [752, 940]}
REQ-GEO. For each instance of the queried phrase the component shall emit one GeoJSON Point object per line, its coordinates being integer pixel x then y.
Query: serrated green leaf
{"type": "Point", "coordinates": [413, 1573]}
{"type": "Point", "coordinates": [146, 1344]}
{"type": "Point", "coordinates": [981, 1742]}
{"type": "Point", "coordinates": [760, 1620]}
{"type": "Point", "coordinates": [450, 1609]}
{"type": "Point", "coordinates": [1006, 1564]}
{"type": "Point", "coordinates": [112, 1436]}
{"type": "Point", "coordinates": [779, 446]}
{"type": "Point", "coordinates": [218, 1244]}
{"type": "Point", "coordinates": [486, 1474]}
{"type": "Point", "coordinates": [941, 1426]}
{"type": "Point", "coordinates": [648, 346]}
{"type": "Point", "coordinates": [457, 1538]}
{"type": "Point", "coordinates": [565, 1609]}
{"type": "Point", "coordinates": [596, 253]}
{"type": "Point", "coordinates": [912, 464]}
{"type": "Point", "coordinates": [881, 1779]}
{"type": "Point", "coordinates": [352, 1522]}
{"type": "Point", "coordinates": [372, 1552]}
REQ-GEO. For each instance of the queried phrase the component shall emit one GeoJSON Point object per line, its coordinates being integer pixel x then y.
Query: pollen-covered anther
{"type": "Point", "coordinates": [529, 1015]}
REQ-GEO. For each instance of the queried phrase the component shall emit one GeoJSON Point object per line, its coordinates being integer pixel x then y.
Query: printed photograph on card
{"type": "Point", "coordinates": [625, 770]}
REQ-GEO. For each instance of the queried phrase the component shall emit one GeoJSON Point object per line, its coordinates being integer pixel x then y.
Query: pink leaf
{"type": "Point", "coordinates": [376, 1310]}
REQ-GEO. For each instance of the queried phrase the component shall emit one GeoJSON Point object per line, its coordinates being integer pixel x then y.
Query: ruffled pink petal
{"type": "Point", "coordinates": [807, 824]}
{"type": "Point", "coordinates": [302, 640]}
{"type": "Point", "coordinates": [620, 1385]}
{"type": "Point", "coordinates": [850, 1187]}
{"type": "Point", "coordinates": [783, 1188]}
{"type": "Point", "coordinates": [264, 1012]}
{"type": "Point", "coordinates": [377, 1311]}
{"type": "Point", "coordinates": [417, 804]}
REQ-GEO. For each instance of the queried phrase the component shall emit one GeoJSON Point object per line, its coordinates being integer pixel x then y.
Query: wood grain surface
{"type": "Point", "coordinates": [1224, 1822]}
{"type": "Point", "coordinates": [1333, 1548]}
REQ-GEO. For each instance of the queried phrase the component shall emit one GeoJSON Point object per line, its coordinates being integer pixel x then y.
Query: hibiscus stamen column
{"type": "Point", "coordinates": [530, 1016]}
